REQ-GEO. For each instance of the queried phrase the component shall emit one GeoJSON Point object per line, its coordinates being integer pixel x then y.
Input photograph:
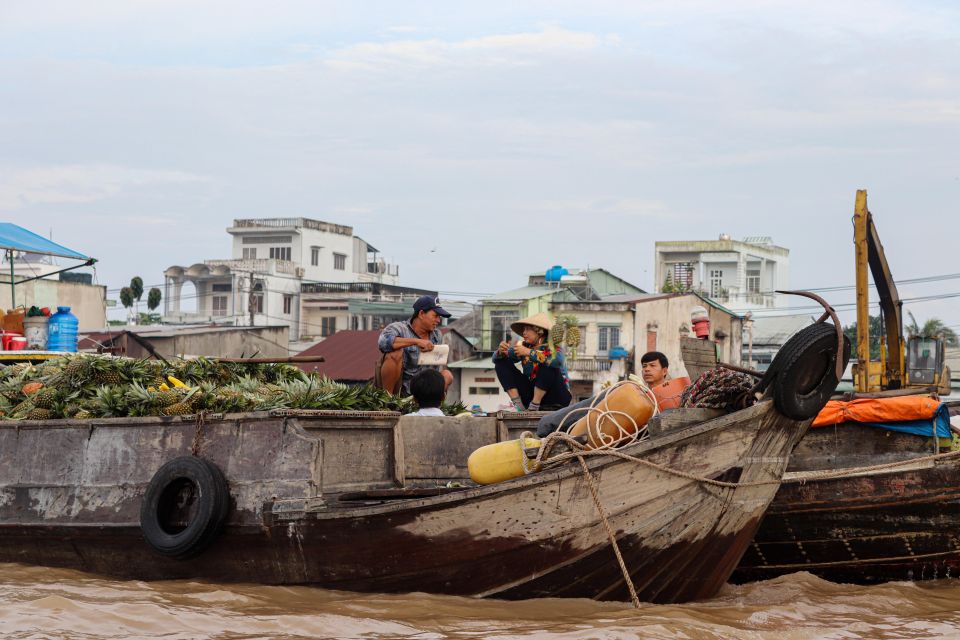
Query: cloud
{"type": "Point", "coordinates": [72, 184]}
{"type": "Point", "coordinates": [491, 50]}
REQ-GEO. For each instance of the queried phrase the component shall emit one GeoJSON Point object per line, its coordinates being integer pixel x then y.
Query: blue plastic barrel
{"type": "Point", "coordinates": [62, 331]}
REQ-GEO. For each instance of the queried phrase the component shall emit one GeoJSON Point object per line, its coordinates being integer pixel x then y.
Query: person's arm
{"type": "Point", "coordinates": [390, 340]}
{"type": "Point", "coordinates": [505, 352]}
{"type": "Point", "coordinates": [547, 357]}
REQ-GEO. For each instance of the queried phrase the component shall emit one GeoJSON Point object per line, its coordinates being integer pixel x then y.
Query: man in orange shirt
{"type": "Point", "coordinates": [654, 370]}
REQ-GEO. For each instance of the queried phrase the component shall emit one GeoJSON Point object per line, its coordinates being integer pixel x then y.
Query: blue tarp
{"type": "Point", "coordinates": [920, 427]}
{"type": "Point", "coordinates": [19, 239]}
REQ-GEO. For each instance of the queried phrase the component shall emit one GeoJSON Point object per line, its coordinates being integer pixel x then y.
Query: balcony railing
{"type": "Point", "coordinates": [588, 364]}
{"type": "Point", "coordinates": [297, 223]}
{"type": "Point", "coordinates": [256, 265]}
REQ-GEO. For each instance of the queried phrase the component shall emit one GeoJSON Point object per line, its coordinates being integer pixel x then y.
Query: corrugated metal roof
{"type": "Point", "coordinates": [349, 356]}
{"type": "Point", "coordinates": [523, 293]}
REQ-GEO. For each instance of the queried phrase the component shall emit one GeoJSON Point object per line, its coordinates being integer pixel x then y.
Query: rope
{"type": "Point", "coordinates": [832, 475]}
{"type": "Point", "coordinates": [610, 535]}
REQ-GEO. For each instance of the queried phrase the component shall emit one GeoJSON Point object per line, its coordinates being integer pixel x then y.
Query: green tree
{"type": "Point", "coordinates": [932, 328]}
{"type": "Point", "coordinates": [153, 299]}
{"type": "Point", "coordinates": [136, 287]}
{"type": "Point", "coordinates": [126, 297]}
{"type": "Point", "coordinates": [876, 330]}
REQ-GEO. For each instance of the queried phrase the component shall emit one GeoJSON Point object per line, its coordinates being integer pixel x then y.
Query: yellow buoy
{"type": "Point", "coordinates": [501, 461]}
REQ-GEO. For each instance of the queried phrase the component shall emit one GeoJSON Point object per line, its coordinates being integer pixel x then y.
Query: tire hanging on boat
{"type": "Point", "coordinates": [803, 373]}
{"type": "Point", "coordinates": [185, 507]}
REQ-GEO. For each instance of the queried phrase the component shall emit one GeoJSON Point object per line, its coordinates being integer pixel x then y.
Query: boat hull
{"type": "Point", "coordinates": [892, 524]}
{"type": "Point", "coordinates": [536, 536]}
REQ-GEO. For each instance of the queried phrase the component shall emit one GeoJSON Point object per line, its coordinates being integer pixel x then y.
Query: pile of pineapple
{"type": "Point", "coordinates": [85, 386]}
{"type": "Point", "coordinates": [566, 333]}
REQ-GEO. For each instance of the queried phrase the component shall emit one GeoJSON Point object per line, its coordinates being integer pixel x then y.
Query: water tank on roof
{"type": "Point", "coordinates": [618, 353]}
{"type": "Point", "coordinates": [555, 272]}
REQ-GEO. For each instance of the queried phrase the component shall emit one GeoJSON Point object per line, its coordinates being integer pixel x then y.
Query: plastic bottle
{"type": "Point", "coordinates": [62, 331]}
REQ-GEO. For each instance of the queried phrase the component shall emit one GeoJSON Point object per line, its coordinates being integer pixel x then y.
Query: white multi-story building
{"type": "Point", "coordinates": [261, 283]}
{"type": "Point", "coordinates": [741, 275]}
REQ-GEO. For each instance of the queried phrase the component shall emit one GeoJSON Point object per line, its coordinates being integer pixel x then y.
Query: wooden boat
{"type": "Point", "coordinates": [875, 523]}
{"type": "Point", "coordinates": [358, 501]}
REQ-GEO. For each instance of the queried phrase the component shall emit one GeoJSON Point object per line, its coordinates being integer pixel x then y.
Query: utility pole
{"type": "Point", "coordinates": [252, 302]}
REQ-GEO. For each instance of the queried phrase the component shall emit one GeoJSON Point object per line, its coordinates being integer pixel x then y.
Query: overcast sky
{"type": "Point", "coordinates": [474, 143]}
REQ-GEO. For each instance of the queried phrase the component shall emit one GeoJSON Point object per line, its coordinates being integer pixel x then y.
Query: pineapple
{"type": "Point", "coordinates": [107, 371]}
{"type": "Point", "coordinates": [109, 402]}
{"type": "Point", "coordinates": [39, 414]}
{"type": "Point", "coordinates": [45, 398]}
{"type": "Point", "coordinates": [83, 414]}
{"type": "Point", "coordinates": [573, 337]}
{"type": "Point", "coordinates": [177, 409]}
{"type": "Point", "coordinates": [556, 334]}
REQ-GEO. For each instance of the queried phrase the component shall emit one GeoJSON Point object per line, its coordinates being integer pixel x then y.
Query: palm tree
{"type": "Point", "coordinates": [932, 328]}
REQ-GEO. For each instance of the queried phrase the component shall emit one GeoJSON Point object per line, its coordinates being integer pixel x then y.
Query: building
{"type": "Point", "coordinates": [262, 282]}
{"type": "Point", "coordinates": [185, 341]}
{"type": "Point", "coordinates": [740, 275]}
{"type": "Point", "coordinates": [329, 307]}
{"type": "Point", "coordinates": [86, 301]}
{"type": "Point", "coordinates": [661, 320]}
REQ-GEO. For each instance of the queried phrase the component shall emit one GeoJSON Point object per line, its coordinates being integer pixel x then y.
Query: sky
{"type": "Point", "coordinates": [475, 143]}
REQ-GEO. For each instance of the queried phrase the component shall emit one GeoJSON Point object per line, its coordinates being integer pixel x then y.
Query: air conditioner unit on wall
{"type": "Point", "coordinates": [299, 271]}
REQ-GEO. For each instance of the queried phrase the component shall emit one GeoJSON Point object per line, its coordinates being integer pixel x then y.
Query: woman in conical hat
{"type": "Point", "coordinates": [541, 383]}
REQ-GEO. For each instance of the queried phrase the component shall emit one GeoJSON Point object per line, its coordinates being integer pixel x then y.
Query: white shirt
{"type": "Point", "coordinates": [428, 411]}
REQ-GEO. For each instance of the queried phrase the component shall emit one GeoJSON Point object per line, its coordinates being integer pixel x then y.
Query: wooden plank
{"type": "Point", "coordinates": [438, 447]}
{"type": "Point", "coordinates": [679, 418]}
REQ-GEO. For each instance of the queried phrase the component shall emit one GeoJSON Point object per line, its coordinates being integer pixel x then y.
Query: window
{"type": "Point", "coordinates": [328, 326]}
{"type": "Point", "coordinates": [222, 288]}
{"type": "Point", "coordinates": [219, 307]}
{"type": "Point", "coordinates": [753, 280]}
{"type": "Point", "coordinates": [256, 298]}
{"type": "Point", "coordinates": [500, 322]}
{"type": "Point", "coordinates": [315, 256]}
{"type": "Point", "coordinates": [249, 253]}
{"type": "Point", "coordinates": [281, 253]}
{"type": "Point", "coordinates": [683, 275]}
{"type": "Point", "coordinates": [339, 261]}
{"type": "Point", "coordinates": [582, 347]}
{"type": "Point", "coordinates": [484, 391]}
{"type": "Point", "coordinates": [287, 304]}
{"type": "Point", "coordinates": [716, 283]}
{"type": "Point", "coordinates": [607, 338]}
{"type": "Point", "coordinates": [479, 379]}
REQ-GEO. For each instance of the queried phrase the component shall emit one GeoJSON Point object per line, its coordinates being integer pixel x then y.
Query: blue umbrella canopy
{"type": "Point", "coordinates": [17, 238]}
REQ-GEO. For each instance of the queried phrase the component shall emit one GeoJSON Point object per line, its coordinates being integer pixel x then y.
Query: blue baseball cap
{"type": "Point", "coordinates": [430, 303]}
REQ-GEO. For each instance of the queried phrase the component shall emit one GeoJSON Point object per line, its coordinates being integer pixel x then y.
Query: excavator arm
{"type": "Point", "coordinates": [870, 255]}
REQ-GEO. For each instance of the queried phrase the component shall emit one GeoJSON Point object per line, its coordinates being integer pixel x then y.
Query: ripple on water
{"type": "Point", "coordinates": [37, 602]}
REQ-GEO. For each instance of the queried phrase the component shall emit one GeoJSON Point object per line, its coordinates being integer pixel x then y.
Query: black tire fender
{"type": "Point", "coordinates": [804, 371]}
{"type": "Point", "coordinates": [184, 507]}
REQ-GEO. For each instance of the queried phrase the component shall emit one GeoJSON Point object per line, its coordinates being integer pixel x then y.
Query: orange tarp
{"type": "Point", "coordinates": [877, 410]}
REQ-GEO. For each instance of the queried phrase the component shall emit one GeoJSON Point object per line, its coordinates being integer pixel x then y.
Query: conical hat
{"type": "Point", "coordinates": [541, 320]}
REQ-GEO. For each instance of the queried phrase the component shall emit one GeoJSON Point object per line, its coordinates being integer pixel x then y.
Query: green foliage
{"type": "Point", "coordinates": [136, 287]}
{"type": "Point", "coordinates": [669, 286]}
{"type": "Point", "coordinates": [153, 299]}
{"type": "Point", "coordinates": [932, 328]}
{"type": "Point", "coordinates": [876, 330]}
{"type": "Point", "coordinates": [126, 297]}
{"type": "Point", "coordinates": [149, 318]}
{"type": "Point", "coordinates": [84, 386]}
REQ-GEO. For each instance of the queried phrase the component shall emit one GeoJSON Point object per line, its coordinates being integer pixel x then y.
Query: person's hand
{"type": "Point", "coordinates": [425, 345]}
{"type": "Point", "coordinates": [521, 350]}
{"type": "Point", "coordinates": [504, 347]}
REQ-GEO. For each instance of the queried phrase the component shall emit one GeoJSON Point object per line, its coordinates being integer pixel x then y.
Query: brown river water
{"type": "Point", "coordinates": [47, 603]}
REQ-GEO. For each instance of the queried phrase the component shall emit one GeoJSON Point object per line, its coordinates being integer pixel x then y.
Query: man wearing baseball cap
{"type": "Point", "coordinates": [402, 342]}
